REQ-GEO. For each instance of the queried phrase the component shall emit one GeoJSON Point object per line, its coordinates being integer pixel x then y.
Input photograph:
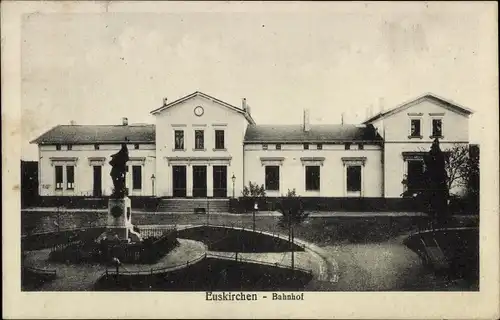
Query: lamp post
{"type": "Point", "coordinates": [233, 178]}
{"type": "Point", "coordinates": [153, 184]}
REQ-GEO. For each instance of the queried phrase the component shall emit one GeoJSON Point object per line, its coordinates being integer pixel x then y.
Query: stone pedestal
{"type": "Point", "coordinates": [119, 223]}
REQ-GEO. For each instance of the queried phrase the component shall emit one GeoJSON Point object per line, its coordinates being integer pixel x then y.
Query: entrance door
{"type": "Point", "coordinates": [199, 181]}
{"type": "Point", "coordinates": [179, 181]}
{"type": "Point", "coordinates": [97, 190]}
{"type": "Point", "coordinates": [220, 181]}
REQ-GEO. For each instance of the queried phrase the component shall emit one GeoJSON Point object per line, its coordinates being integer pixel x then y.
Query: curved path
{"type": "Point", "coordinates": [82, 277]}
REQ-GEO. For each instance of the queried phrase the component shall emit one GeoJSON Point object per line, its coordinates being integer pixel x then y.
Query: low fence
{"type": "Point", "coordinates": [261, 262]}
{"type": "Point", "coordinates": [123, 272]}
{"type": "Point", "coordinates": [92, 202]}
{"type": "Point", "coordinates": [239, 239]}
{"type": "Point", "coordinates": [243, 205]}
{"type": "Point", "coordinates": [50, 274]}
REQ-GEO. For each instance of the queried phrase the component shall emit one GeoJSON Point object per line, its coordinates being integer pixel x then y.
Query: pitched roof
{"type": "Point", "coordinates": [90, 134]}
{"type": "Point", "coordinates": [428, 96]}
{"type": "Point", "coordinates": [316, 133]}
{"type": "Point", "coordinates": [206, 96]}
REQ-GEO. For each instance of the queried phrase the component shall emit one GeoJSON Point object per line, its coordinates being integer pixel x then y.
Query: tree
{"type": "Point", "coordinates": [436, 194]}
{"type": "Point", "coordinates": [458, 165]}
{"type": "Point", "coordinates": [292, 208]}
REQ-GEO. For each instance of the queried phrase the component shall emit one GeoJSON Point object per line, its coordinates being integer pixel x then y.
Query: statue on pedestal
{"type": "Point", "coordinates": [118, 172]}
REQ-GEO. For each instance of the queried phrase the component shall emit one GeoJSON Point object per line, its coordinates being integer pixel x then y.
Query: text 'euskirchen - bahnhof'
{"type": "Point", "coordinates": [240, 296]}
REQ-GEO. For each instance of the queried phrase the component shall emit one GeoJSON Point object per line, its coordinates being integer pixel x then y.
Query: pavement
{"type": "Point", "coordinates": [259, 213]}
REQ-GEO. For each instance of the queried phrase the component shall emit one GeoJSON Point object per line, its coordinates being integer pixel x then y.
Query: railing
{"type": "Point", "coordinates": [272, 233]}
{"type": "Point", "coordinates": [42, 272]}
{"type": "Point", "coordinates": [273, 264]}
{"type": "Point", "coordinates": [154, 271]}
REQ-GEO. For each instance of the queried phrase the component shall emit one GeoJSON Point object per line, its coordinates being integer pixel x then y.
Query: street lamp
{"type": "Point", "coordinates": [153, 184]}
{"type": "Point", "coordinates": [233, 178]}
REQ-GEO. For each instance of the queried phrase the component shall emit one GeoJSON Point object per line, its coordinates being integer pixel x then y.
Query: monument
{"type": "Point", "coordinates": [119, 218]}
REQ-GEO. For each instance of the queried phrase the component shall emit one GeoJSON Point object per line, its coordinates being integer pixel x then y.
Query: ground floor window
{"type": "Point", "coordinates": [272, 178]}
{"type": "Point", "coordinates": [59, 177]}
{"type": "Point", "coordinates": [70, 177]}
{"type": "Point", "coordinates": [136, 177]}
{"type": "Point", "coordinates": [353, 177]}
{"type": "Point", "coordinates": [312, 178]}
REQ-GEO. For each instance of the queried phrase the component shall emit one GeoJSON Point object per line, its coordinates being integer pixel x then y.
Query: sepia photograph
{"type": "Point", "coordinates": [247, 152]}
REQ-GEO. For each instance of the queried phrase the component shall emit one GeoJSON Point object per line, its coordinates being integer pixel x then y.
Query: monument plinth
{"type": "Point", "coordinates": [119, 221]}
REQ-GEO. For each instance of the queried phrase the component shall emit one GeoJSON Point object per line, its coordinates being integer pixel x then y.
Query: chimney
{"type": "Point", "coordinates": [125, 121]}
{"type": "Point", "coordinates": [342, 118]}
{"type": "Point", "coordinates": [381, 104]}
{"type": "Point", "coordinates": [72, 122]}
{"type": "Point", "coordinates": [244, 104]}
{"type": "Point", "coordinates": [165, 100]}
{"type": "Point", "coordinates": [307, 126]}
{"type": "Point", "coordinates": [248, 108]}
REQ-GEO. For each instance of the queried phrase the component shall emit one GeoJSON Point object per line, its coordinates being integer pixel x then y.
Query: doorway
{"type": "Point", "coordinates": [199, 181]}
{"type": "Point", "coordinates": [179, 181]}
{"type": "Point", "coordinates": [220, 181]}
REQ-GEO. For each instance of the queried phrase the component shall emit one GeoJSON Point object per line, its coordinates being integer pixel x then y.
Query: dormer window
{"type": "Point", "coordinates": [415, 128]}
{"type": "Point", "coordinates": [437, 128]}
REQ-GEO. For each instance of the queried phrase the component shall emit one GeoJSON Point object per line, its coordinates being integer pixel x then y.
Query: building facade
{"type": "Point", "coordinates": [202, 147]}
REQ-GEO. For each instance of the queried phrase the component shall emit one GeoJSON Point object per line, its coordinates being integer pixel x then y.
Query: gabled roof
{"type": "Point", "coordinates": [316, 133]}
{"type": "Point", "coordinates": [208, 97]}
{"type": "Point", "coordinates": [452, 106]}
{"type": "Point", "coordinates": [90, 134]}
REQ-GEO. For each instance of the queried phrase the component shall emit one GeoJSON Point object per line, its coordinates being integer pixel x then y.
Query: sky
{"type": "Point", "coordinates": [95, 68]}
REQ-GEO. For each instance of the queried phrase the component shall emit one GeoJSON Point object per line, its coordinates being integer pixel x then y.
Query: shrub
{"type": "Point", "coordinates": [253, 190]}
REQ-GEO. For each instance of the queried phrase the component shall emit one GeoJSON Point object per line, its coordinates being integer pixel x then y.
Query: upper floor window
{"type": "Point", "coordinates": [70, 177]}
{"type": "Point", "coordinates": [179, 140]}
{"type": "Point", "coordinates": [219, 139]}
{"type": "Point", "coordinates": [361, 146]}
{"type": "Point", "coordinates": [319, 146]}
{"type": "Point", "coordinates": [58, 177]}
{"type": "Point", "coordinates": [264, 147]}
{"type": "Point", "coordinates": [272, 178]}
{"type": "Point", "coordinates": [437, 128]}
{"type": "Point", "coordinates": [415, 130]}
{"type": "Point", "coordinates": [70, 147]}
{"type": "Point", "coordinates": [278, 146]}
{"type": "Point", "coordinates": [306, 146]}
{"type": "Point", "coordinates": [312, 178]}
{"type": "Point", "coordinates": [347, 146]}
{"type": "Point", "coordinates": [96, 147]}
{"type": "Point", "coordinates": [199, 143]}
{"type": "Point", "coordinates": [58, 147]}
{"type": "Point", "coordinates": [136, 146]}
